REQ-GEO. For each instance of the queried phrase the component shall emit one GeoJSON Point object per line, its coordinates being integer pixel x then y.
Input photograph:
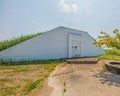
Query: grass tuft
{"type": "Point", "coordinates": [32, 85]}
{"type": "Point", "coordinates": [104, 68]}
{"type": "Point", "coordinates": [64, 87]}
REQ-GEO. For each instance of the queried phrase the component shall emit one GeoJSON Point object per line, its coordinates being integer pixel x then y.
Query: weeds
{"type": "Point", "coordinates": [104, 67]}
{"type": "Point", "coordinates": [32, 85]}
{"type": "Point", "coordinates": [64, 87]}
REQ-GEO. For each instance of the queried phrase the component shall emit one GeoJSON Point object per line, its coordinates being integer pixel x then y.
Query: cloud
{"type": "Point", "coordinates": [77, 6]}
{"type": "Point", "coordinates": [74, 7]}
{"type": "Point", "coordinates": [68, 7]}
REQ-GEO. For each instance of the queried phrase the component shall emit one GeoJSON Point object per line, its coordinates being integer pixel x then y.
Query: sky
{"type": "Point", "coordinates": [21, 17]}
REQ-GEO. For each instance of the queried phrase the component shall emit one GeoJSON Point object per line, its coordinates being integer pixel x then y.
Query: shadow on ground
{"type": "Point", "coordinates": [108, 78]}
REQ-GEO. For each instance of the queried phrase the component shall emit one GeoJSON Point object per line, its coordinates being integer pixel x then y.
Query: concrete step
{"type": "Point", "coordinates": [82, 60]}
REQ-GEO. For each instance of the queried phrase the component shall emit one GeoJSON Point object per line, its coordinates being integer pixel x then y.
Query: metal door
{"type": "Point", "coordinates": [75, 48]}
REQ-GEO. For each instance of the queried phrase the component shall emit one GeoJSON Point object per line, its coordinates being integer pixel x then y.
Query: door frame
{"type": "Point", "coordinates": [68, 44]}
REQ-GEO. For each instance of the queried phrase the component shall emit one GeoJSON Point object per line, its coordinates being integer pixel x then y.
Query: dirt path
{"type": "Point", "coordinates": [83, 80]}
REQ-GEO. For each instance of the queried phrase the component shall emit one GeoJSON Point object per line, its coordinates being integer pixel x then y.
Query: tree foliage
{"type": "Point", "coordinates": [8, 43]}
{"type": "Point", "coordinates": [109, 41]}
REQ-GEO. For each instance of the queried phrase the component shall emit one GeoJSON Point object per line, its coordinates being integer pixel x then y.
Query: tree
{"type": "Point", "coordinates": [109, 41]}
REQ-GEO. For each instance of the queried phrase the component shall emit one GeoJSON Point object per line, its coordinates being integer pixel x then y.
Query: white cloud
{"type": "Point", "coordinates": [77, 6]}
{"type": "Point", "coordinates": [68, 7]}
{"type": "Point", "coordinates": [74, 7]}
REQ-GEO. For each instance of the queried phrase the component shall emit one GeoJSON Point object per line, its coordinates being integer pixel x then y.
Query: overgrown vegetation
{"type": "Point", "coordinates": [112, 42]}
{"type": "Point", "coordinates": [109, 41]}
{"type": "Point", "coordinates": [21, 80]}
{"type": "Point", "coordinates": [111, 54]}
{"type": "Point", "coordinates": [8, 43]}
{"type": "Point", "coordinates": [23, 62]}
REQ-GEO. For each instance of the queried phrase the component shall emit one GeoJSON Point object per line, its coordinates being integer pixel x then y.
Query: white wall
{"type": "Point", "coordinates": [54, 44]}
{"type": "Point", "coordinates": [88, 48]}
{"type": "Point", "coordinates": [49, 45]}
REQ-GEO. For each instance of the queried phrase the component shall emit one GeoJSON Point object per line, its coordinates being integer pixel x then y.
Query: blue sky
{"type": "Point", "coordinates": [19, 17]}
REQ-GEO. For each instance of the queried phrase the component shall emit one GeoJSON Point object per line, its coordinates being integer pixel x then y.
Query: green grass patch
{"type": "Point", "coordinates": [24, 62]}
{"type": "Point", "coordinates": [113, 52]}
{"type": "Point", "coordinates": [8, 43]}
{"type": "Point", "coordinates": [111, 55]}
{"type": "Point", "coordinates": [32, 85]}
{"type": "Point", "coordinates": [49, 68]}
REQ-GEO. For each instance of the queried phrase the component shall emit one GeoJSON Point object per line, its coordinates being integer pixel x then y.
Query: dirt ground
{"type": "Point", "coordinates": [20, 80]}
{"type": "Point", "coordinates": [82, 80]}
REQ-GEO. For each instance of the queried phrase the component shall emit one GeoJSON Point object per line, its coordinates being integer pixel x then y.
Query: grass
{"type": "Point", "coordinates": [111, 55]}
{"type": "Point", "coordinates": [8, 43]}
{"type": "Point", "coordinates": [104, 68]}
{"type": "Point", "coordinates": [32, 85]}
{"type": "Point", "coordinates": [64, 87]}
{"type": "Point", "coordinates": [23, 79]}
{"type": "Point", "coordinates": [23, 62]}
{"type": "Point", "coordinates": [9, 90]}
{"type": "Point", "coordinates": [113, 52]}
